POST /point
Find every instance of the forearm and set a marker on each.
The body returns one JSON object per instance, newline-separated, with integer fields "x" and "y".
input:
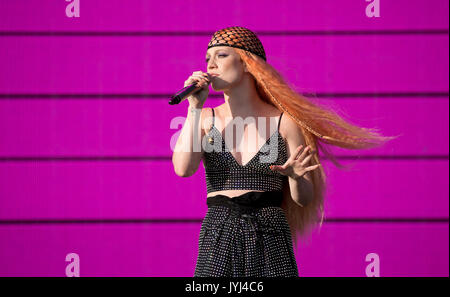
{"x": 187, "y": 152}
{"x": 302, "y": 190}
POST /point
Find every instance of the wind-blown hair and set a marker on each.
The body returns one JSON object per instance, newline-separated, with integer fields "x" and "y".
{"x": 319, "y": 125}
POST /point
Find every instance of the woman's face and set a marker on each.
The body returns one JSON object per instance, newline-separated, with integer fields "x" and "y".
{"x": 225, "y": 62}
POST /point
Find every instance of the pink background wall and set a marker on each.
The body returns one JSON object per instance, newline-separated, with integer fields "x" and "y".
{"x": 85, "y": 156}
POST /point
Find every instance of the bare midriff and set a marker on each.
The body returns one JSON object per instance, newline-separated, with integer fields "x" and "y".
{"x": 231, "y": 193}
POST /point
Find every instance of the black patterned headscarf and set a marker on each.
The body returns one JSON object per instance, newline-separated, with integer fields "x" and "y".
{"x": 238, "y": 37}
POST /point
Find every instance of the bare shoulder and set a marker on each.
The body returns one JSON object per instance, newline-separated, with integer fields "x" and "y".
{"x": 207, "y": 117}
{"x": 291, "y": 131}
{"x": 218, "y": 109}
{"x": 218, "y": 115}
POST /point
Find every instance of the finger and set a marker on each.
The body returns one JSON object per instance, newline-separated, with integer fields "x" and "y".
{"x": 305, "y": 151}
{"x": 274, "y": 167}
{"x": 191, "y": 80}
{"x": 201, "y": 75}
{"x": 208, "y": 75}
{"x": 299, "y": 150}
{"x": 295, "y": 154}
{"x": 203, "y": 83}
{"x": 198, "y": 76}
{"x": 278, "y": 168}
{"x": 305, "y": 161}
{"x": 199, "y": 81}
{"x": 312, "y": 167}
{"x": 201, "y": 78}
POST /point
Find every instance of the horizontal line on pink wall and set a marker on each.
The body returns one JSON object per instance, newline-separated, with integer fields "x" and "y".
{"x": 209, "y": 33}
{"x": 127, "y": 65}
{"x": 168, "y": 158}
{"x": 438, "y": 94}
{"x": 199, "y": 220}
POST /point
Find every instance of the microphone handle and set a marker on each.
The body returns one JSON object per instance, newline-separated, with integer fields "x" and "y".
{"x": 183, "y": 93}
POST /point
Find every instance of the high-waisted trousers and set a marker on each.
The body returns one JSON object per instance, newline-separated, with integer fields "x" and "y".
{"x": 243, "y": 236}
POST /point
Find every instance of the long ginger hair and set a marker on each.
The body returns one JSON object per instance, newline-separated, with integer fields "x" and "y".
{"x": 318, "y": 124}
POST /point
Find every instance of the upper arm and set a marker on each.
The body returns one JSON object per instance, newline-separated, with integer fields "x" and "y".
{"x": 294, "y": 138}
{"x": 187, "y": 162}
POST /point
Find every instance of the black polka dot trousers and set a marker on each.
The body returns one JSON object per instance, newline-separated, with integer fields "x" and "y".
{"x": 245, "y": 236}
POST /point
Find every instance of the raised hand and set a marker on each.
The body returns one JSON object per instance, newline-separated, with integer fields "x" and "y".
{"x": 296, "y": 166}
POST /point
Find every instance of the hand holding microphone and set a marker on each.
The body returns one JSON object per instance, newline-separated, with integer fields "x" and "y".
{"x": 196, "y": 89}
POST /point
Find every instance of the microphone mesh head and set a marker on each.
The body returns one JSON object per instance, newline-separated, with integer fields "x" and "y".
{"x": 238, "y": 37}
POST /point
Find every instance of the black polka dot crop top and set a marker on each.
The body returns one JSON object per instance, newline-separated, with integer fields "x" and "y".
{"x": 223, "y": 172}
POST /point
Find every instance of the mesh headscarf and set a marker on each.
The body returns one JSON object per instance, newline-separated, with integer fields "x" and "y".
{"x": 238, "y": 37}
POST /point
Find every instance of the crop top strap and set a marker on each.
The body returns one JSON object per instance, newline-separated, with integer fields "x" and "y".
{"x": 279, "y": 121}
{"x": 212, "y": 109}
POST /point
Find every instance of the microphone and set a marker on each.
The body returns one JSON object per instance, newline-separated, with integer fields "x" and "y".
{"x": 184, "y": 93}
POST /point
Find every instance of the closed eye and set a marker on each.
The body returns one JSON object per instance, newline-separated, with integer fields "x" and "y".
{"x": 222, "y": 55}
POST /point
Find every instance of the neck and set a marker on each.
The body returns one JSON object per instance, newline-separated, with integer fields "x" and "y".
{"x": 243, "y": 100}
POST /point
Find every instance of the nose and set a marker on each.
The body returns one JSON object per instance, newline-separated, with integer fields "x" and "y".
{"x": 211, "y": 64}
{"x": 210, "y": 67}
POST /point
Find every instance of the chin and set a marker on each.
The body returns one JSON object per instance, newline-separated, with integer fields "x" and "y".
{"x": 221, "y": 86}
{"x": 218, "y": 88}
